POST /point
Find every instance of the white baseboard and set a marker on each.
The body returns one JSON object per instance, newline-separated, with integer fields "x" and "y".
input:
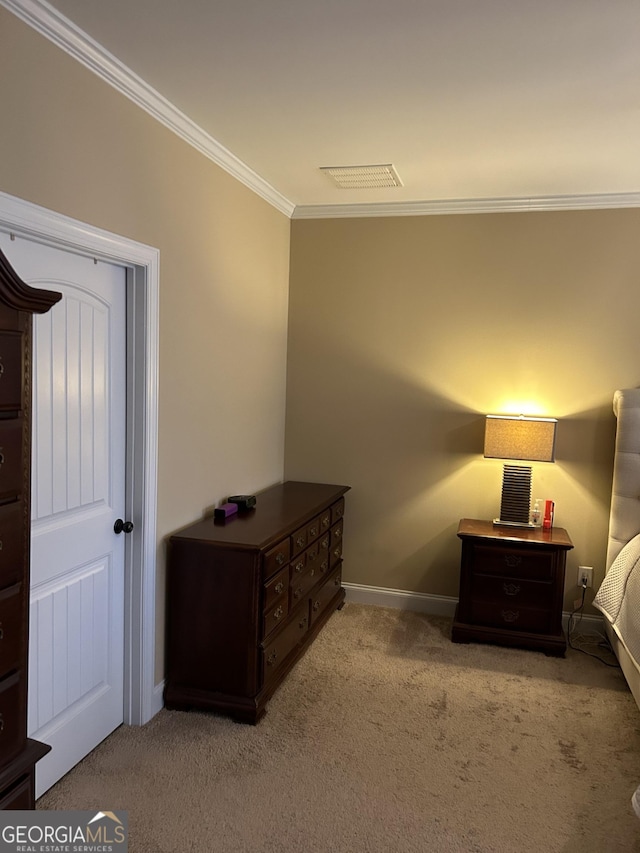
{"x": 436, "y": 605}
{"x": 400, "y": 599}
{"x": 158, "y": 698}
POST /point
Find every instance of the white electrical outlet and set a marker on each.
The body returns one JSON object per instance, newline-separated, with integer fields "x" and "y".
{"x": 585, "y": 572}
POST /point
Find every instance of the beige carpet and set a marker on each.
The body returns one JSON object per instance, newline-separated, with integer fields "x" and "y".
{"x": 386, "y": 738}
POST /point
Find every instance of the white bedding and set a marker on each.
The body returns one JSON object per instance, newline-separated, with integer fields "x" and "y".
{"x": 617, "y": 594}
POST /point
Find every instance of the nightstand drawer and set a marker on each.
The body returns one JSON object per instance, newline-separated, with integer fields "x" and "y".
{"x": 512, "y": 592}
{"x": 529, "y": 563}
{"x": 510, "y": 616}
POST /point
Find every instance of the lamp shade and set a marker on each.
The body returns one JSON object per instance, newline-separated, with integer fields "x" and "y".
{"x": 512, "y": 437}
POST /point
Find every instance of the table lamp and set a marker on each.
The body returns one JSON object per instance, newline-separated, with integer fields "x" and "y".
{"x": 518, "y": 438}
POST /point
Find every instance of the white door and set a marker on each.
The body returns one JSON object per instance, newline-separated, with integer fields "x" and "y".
{"x": 76, "y": 644}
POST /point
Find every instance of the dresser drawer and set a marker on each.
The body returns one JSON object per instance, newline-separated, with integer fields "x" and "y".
{"x": 276, "y": 558}
{"x": 11, "y": 471}
{"x": 11, "y": 377}
{"x": 311, "y": 554}
{"x": 511, "y": 617}
{"x": 324, "y": 595}
{"x": 11, "y": 612}
{"x": 278, "y": 648}
{"x": 12, "y": 542}
{"x": 275, "y": 615}
{"x": 323, "y": 554}
{"x": 301, "y": 584}
{"x": 512, "y": 592}
{"x": 298, "y": 541}
{"x": 335, "y": 544}
{"x": 529, "y": 563}
{"x": 325, "y": 521}
{"x": 275, "y": 588}
{"x": 12, "y": 717}
{"x": 20, "y": 796}
{"x": 298, "y": 566}
{"x": 313, "y": 530}
{"x": 337, "y": 511}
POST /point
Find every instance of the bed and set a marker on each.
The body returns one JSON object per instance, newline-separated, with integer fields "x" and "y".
{"x": 618, "y": 597}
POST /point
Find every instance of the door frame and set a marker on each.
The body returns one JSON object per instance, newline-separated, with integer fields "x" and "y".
{"x": 142, "y": 699}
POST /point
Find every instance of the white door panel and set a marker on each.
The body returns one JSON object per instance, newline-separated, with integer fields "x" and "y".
{"x": 76, "y": 648}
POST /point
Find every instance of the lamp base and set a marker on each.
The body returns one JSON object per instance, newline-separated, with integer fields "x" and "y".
{"x": 515, "y": 504}
{"x": 498, "y": 522}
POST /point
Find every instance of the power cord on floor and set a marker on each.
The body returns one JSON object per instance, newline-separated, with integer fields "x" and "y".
{"x": 599, "y": 641}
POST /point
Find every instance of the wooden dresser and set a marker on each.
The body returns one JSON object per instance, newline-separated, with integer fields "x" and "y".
{"x": 18, "y": 754}
{"x": 247, "y": 595}
{"x": 511, "y": 586}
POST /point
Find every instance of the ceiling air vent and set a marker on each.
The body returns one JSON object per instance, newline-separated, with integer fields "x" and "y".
{"x": 363, "y": 177}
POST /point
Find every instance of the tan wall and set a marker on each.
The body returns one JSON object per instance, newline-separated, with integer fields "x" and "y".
{"x": 72, "y": 144}
{"x": 404, "y": 332}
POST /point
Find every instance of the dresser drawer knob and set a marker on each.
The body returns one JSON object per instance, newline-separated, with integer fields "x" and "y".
{"x": 337, "y": 533}
{"x": 510, "y": 615}
{"x": 337, "y": 552}
{"x": 324, "y": 566}
{"x": 299, "y": 566}
{"x": 303, "y": 623}
{"x": 278, "y": 587}
{"x": 313, "y": 531}
{"x": 511, "y": 588}
{"x": 512, "y": 560}
{"x": 273, "y": 657}
{"x": 298, "y": 592}
{"x": 316, "y": 606}
{"x": 1, "y": 368}
{"x": 300, "y": 541}
{"x": 279, "y": 558}
{"x": 277, "y": 614}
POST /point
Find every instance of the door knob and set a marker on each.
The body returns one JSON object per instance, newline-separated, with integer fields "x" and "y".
{"x": 121, "y": 526}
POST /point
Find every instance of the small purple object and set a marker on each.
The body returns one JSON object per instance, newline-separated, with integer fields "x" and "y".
{"x": 225, "y": 511}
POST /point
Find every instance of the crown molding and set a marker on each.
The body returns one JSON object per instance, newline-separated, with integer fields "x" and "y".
{"x": 66, "y": 35}
{"x": 47, "y": 21}
{"x": 468, "y": 205}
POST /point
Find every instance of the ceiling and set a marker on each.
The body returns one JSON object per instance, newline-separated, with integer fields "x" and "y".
{"x": 499, "y": 99}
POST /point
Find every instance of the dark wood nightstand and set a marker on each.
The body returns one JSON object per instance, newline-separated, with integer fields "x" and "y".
{"x": 511, "y": 586}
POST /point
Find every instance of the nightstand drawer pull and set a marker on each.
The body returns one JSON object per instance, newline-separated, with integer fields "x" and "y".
{"x": 511, "y": 588}
{"x": 512, "y": 560}
{"x": 278, "y": 587}
{"x": 510, "y": 615}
